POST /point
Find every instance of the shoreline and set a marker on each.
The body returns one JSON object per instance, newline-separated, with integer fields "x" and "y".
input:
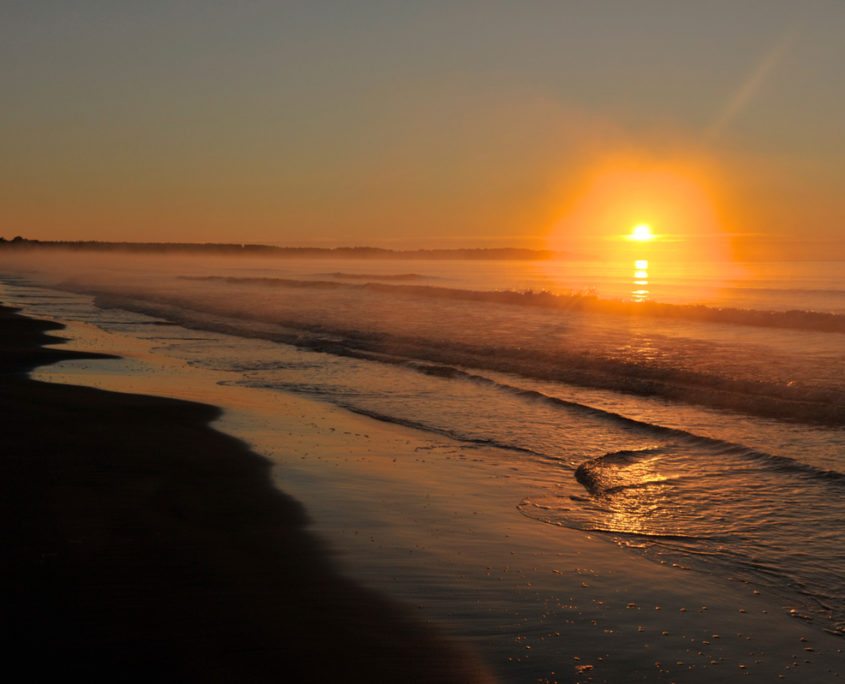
{"x": 143, "y": 543}
{"x": 416, "y": 518}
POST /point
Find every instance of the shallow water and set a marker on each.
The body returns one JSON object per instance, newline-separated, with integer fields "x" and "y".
{"x": 642, "y": 428}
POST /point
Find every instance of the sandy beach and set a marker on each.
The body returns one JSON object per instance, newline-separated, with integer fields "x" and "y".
{"x": 427, "y": 523}
{"x": 140, "y": 544}
{"x": 436, "y": 342}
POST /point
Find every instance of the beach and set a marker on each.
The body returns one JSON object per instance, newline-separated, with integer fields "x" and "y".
{"x": 141, "y": 544}
{"x": 423, "y": 342}
{"x": 428, "y": 342}
{"x": 422, "y": 519}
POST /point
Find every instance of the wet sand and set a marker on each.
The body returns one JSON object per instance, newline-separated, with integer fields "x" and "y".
{"x": 433, "y": 525}
{"x": 140, "y": 544}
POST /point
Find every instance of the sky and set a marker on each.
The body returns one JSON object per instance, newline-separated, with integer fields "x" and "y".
{"x": 427, "y": 124}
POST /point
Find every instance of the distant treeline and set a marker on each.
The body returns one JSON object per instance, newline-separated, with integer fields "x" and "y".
{"x": 227, "y": 249}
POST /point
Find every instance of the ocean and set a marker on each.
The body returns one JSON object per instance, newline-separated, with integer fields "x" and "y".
{"x": 694, "y": 416}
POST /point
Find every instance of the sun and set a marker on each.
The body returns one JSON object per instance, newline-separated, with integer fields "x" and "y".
{"x": 641, "y": 233}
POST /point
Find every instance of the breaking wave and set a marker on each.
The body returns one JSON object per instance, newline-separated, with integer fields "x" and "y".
{"x": 796, "y": 319}
{"x": 813, "y": 404}
{"x": 397, "y": 277}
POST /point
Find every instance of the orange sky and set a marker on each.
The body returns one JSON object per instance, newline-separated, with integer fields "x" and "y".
{"x": 467, "y": 124}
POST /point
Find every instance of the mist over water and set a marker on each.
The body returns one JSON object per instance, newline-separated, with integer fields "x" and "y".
{"x": 708, "y": 439}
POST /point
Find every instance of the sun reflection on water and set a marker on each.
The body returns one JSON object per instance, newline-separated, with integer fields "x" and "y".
{"x": 640, "y": 291}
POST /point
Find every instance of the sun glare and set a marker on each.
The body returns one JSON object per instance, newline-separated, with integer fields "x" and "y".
{"x": 633, "y": 206}
{"x": 641, "y": 233}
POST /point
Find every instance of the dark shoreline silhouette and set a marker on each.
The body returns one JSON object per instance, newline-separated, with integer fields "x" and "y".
{"x": 228, "y": 249}
{"x": 142, "y": 545}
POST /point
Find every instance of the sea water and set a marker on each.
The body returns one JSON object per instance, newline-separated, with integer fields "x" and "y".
{"x": 710, "y": 433}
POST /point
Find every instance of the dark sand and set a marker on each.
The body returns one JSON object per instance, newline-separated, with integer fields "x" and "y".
{"x": 140, "y": 544}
